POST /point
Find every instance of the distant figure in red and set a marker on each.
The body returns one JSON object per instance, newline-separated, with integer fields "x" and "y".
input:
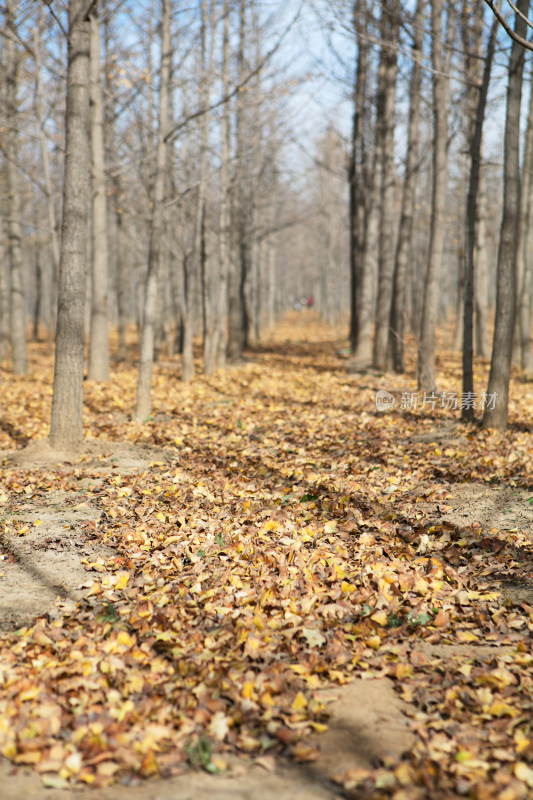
{"x": 310, "y": 301}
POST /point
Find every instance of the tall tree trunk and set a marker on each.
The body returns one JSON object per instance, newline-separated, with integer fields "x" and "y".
{"x": 144, "y": 383}
{"x": 481, "y": 277}
{"x": 199, "y": 255}
{"x": 37, "y": 103}
{"x": 441, "y": 102}
{"x": 237, "y": 321}
{"x": 524, "y": 261}
{"x": 14, "y": 227}
{"x": 467, "y": 411}
{"x": 4, "y": 304}
{"x": 66, "y": 425}
{"x": 397, "y": 320}
{"x": 361, "y": 210}
{"x": 496, "y": 411}
{"x": 388, "y": 69}
{"x": 122, "y": 272}
{"x": 220, "y": 343}
{"x": 99, "y": 340}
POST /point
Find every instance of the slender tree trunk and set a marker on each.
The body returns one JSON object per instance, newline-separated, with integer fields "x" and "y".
{"x": 208, "y": 30}
{"x": 144, "y": 383}
{"x": 524, "y": 259}
{"x": 37, "y": 103}
{"x": 481, "y": 277}
{"x": 467, "y": 411}
{"x": 14, "y": 227}
{"x": 220, "y": 343}
{"x": 122, "y": 272}
{"x": 66, "y": 425}
{"x": 4, "y": 304}
{"x": 496, "y": 411}
{"x": 397, "y": 320}
{"x": 237, "y": 321}
{"x": 363, "y": 220}
{"x": 441, "y": 102}
{"x": 388, "y": 69}
{"x": 99, "y": 341}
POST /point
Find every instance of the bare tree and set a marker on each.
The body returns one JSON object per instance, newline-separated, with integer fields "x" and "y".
{"x": 99, "y": 341}
{"x": 144, "y": 383}
{"x": 363, "y": 185}
{"x": 524, "y": 261}
{"x": 386, "y": 101}
{"x": 237, "y": 320}
{"x": 472, "y": 218}
{"x": 14, "y": 221}
{"x": 496, "y": 413}
{"x": 397, "y": 320}
{"x": 441, "y": 100}
{"x": 66, "y": 425}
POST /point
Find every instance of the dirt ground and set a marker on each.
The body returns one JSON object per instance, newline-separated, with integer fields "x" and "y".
{"x": 48, "y": 556}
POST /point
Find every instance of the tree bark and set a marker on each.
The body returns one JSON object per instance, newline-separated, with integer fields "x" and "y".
{"x": 362, "y": 182}
{"x": 143, "y": 404}
{"x": 237, "y": 320}
{"x": 468, "y": 411}
{"x": 496, "y": 412}
{"x": 66, "y": 425}
{"x": 524, "y": 260}
{"x": 441, "y": 102}
{"x": 14, "y": 227}
{"x": 44, "y": 151}
{"x": 99, "y": 340}
{"x": 5, "y": 337}
{"x": 220, "y": 343}
{"x": 398, "y": 317}
{"x": 481, "y": 277}
{"x": 388, "y": 69}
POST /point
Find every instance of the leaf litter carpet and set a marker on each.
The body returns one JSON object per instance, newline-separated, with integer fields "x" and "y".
{"x": 223, "y": 588}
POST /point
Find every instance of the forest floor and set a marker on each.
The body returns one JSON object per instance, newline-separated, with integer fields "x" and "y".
{"x": 271, "y": 589}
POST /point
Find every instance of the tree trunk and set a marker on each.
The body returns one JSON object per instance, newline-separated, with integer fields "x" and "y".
{"x": 496, "y": 410}
{"x": 397, "y": 320}
{"x": 364, "y": 179}
{"x": 524, "y": 258}
{"x": 388, "y": 69}
{"x": 481, "y": 278}
{"x": 144, "y": 383}
{"x": 37, "y": 103}
{"x": 199, "y": 262}
{"x": 4, "y": 304}
{"x": 467, "y": 411}
{"x": 237, "y": 321}
{"x": 14, "y": 227}
{"x": 441, "y": 102}
{"x": 66, "y": 425}
{"x": 99, "y": 341}
{"x": 220, "y": 343}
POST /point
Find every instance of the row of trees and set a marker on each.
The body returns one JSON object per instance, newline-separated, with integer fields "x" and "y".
{"x": 454, "y": 44}
{"x": 175, "y": 191}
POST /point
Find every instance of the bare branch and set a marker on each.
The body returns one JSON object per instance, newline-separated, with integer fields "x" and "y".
{"x": 526, "y": 43}
{"x": 171, "y": 135}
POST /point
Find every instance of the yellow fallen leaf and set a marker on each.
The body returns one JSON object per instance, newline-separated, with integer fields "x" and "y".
{"x": 467, "y": 636}
{"x": 380, "y": 617}
{"x": 524, "y": 773}
{"x": 499, "y": 709}
{"x": 299, "y": 702}
{"x": 347, "y": 587}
